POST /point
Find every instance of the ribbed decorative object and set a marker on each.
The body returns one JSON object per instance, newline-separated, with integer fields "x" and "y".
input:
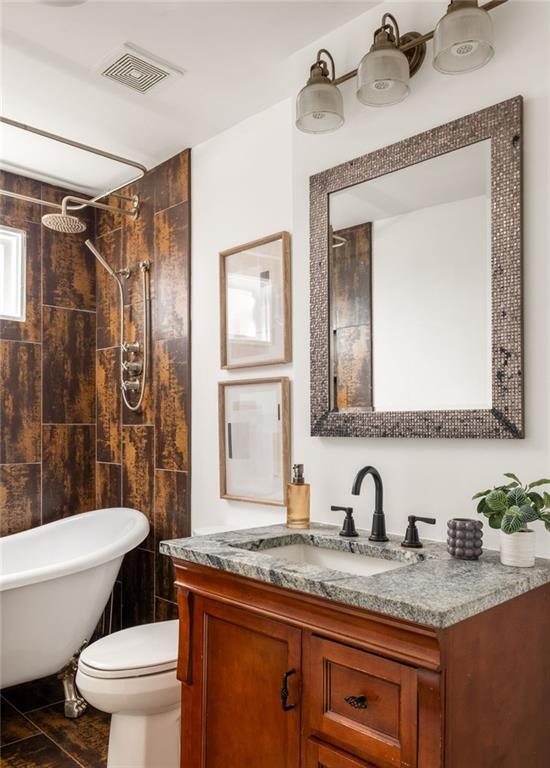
{"x": 464, "y": 538}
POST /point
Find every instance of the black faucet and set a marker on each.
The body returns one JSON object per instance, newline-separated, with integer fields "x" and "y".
{"x": 378, "y": 530}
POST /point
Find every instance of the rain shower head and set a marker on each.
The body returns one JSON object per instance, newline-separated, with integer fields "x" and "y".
{"x": 63, "y": 222}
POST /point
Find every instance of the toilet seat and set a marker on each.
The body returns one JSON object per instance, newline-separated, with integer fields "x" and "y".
{"x": 131, "y": 675}
{"x": 145, "y": 650}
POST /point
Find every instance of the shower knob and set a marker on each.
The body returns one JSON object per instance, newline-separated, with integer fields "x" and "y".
{"x": 133, "y": 367}
{"x": 130, "y": 346}
{"x": 131, "y": 386}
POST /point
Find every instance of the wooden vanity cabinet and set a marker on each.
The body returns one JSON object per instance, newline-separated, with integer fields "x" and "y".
{"x": 242, "y": 661}
{"x": 273, "y": 678}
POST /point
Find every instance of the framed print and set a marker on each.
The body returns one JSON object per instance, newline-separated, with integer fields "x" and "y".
{"x": 255, "y": 303}
{"x": 254, "y": 440}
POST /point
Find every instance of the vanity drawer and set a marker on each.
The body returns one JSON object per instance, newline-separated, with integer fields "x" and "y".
{"x": 322, "y": 756}
{"x": 362, "y": 702}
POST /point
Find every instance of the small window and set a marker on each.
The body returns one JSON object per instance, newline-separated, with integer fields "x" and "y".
{"x": 12, "y": 273}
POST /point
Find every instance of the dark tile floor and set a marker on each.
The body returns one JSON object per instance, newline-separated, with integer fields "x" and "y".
{"x": 35, "y": 733}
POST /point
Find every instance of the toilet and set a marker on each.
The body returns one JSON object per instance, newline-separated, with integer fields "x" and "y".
{"x": 132, "y": 675}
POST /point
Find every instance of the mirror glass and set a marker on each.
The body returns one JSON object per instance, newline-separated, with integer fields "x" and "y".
{"x": 410, "y": 287}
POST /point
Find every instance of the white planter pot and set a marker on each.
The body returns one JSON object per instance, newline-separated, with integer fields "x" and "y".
{"x": 518, "y": 549}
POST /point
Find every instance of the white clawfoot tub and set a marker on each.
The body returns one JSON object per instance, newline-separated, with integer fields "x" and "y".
{"x": 55, "y": 581}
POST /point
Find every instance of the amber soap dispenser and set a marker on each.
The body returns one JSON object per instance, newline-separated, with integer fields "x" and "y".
{"x": 297, "y": 511}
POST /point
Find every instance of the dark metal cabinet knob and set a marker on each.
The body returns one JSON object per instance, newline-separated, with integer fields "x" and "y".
{"x": 357, "y": 702}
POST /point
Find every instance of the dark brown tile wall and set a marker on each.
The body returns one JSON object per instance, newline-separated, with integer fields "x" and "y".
{"x": 20, "y": 374}
{"x": 67, "y": 445}
{"x": 47, "y": 372}
{"x": 68, "y": 349}
{"x": 68, "y": 476}
{"x": 19, "y": 497}
{"x": 145, "y": 455}
{"x": 108, "y": 489}
{"x": 109, "y": 428}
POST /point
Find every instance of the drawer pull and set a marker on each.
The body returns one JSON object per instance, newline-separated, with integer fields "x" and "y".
{"x": 284, "y": 690}
{"x": 357, "y": 702}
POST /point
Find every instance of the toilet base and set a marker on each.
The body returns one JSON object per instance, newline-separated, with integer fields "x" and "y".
{"x": 143, "y": 741}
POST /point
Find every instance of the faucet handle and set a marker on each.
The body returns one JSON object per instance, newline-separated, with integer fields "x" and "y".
{"x": 348, "y": 527}
{"x": 412, "y": 539}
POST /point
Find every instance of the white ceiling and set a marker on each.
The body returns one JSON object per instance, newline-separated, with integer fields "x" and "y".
{"x": 235, "y": 57}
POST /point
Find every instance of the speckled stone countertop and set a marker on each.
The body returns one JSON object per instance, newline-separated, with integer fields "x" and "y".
{"x": 433, "y": 589}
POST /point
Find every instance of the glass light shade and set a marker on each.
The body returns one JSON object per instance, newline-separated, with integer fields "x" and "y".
{"x": 463, "y": 40}
{"x": 383, "y": 77}
{"x": 319, "y": 108}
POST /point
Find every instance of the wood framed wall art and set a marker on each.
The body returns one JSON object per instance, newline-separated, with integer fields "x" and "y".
{"x": 254, "y": 434}
{"x": 255, "y": 303}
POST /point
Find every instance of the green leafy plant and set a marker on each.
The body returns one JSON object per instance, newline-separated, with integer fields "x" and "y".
{"x": 512, "y": 506}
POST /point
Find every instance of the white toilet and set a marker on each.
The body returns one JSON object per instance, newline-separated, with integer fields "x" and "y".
{"x": 132, "y": 675}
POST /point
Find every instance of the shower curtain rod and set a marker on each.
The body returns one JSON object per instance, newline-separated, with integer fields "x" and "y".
{"x": 77, "y": 145}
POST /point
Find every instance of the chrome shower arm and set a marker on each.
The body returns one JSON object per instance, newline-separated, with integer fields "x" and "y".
{"x": 102, "y": 206}
{"x": 29, "y": 199}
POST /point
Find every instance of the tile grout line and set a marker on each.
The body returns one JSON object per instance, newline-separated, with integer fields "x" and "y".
{"x": 22, "y": 714}
{"x": 71, "y": 757}
{"x": 19, "y": 464}
{"x": 41, "y": 732}
{"x": 68, "y": 424}
{"x": 70, "y": 309}
{"x": 44, "y": 706}
{"x": 25, "y": 738}
{"x": 169, "y": 207}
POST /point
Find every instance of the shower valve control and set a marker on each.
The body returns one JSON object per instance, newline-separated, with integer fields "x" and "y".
{"x": 134, "y": 367}
{"x": 131, "y": 346}
{"x": 131, "y": 386}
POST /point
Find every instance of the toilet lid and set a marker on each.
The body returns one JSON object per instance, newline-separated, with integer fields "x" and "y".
{"x": 144, "y": 650}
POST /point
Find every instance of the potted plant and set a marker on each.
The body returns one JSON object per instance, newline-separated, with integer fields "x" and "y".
{"x": 510, "y": 508}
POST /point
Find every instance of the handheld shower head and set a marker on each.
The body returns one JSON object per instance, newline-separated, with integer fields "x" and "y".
{"x": 99, "y": 257}
{"x": 63, "y": 222}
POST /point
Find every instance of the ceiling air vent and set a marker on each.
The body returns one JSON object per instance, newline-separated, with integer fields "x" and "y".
{"x": 137, "y": 69}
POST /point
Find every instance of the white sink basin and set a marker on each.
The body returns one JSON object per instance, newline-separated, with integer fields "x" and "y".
{"x": 348, "y": 562}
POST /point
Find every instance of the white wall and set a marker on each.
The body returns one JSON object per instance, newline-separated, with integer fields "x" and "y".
{"x": 241, "y": 191}
{"x": 254, "y": 179}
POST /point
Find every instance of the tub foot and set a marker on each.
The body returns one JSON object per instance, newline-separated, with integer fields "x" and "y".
{"x": 75, "y": 705}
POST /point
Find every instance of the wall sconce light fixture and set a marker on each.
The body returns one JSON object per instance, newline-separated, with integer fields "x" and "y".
{"x": 383, "y": 74}
{"x": 463, "y": 42}
{"x": 319, "y": 105}
{"x": 463, "y": 38}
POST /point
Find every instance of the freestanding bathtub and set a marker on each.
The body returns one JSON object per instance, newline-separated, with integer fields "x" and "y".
{"x": 55, "y": 581}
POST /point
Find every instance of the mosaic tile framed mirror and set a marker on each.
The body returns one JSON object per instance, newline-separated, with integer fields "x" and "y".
{"x": 416, "y": 285}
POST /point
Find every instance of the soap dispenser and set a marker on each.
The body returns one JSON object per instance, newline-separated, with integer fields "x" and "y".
{"x": 297, "y": 512}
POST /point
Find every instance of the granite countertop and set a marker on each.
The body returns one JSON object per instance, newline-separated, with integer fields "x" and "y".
{"x": 432, "y": 589}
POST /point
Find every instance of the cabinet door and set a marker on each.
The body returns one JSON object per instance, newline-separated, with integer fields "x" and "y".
{"x": 322, "y": 756}
{"x": 361, "y": 702}
{"x": 247, "y": 677}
